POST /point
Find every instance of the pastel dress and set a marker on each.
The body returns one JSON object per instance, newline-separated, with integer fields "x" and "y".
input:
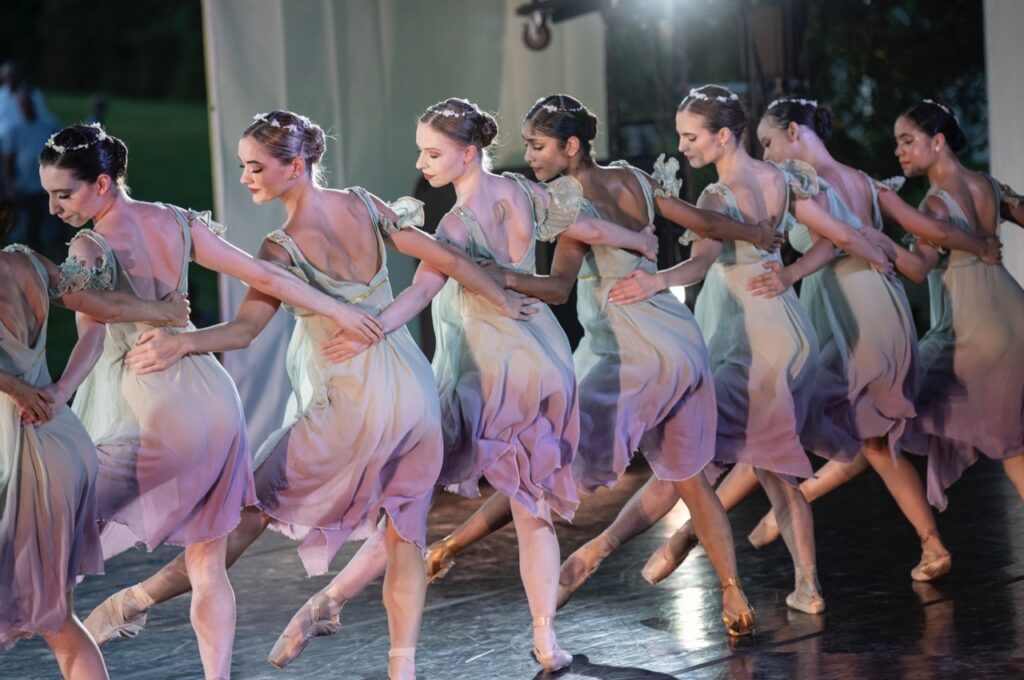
{"x": 764, "y": 351}
{"x": 644, "y": 378}
{"x": 970, "y": 400}
{"x": 174, "y": 460}
{"x": 48, "y": 530}
{"x": 366, "y": 437}
{"x": 509, "y": 405}
{"x": 866, "y": 379}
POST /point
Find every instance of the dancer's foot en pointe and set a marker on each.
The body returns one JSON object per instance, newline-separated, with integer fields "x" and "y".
{"x": 669, "y": 556}
{"x": 581, "y": 564}
{"x": 122, "y": 615}
{"x": 806, "y": 596}
{"x": 935, "y": 559}
{"x": 739, "y": 617}
{"x": 440, "y": 558}
{"x": 319, "y": 616}
{"x": 545, "y": 648}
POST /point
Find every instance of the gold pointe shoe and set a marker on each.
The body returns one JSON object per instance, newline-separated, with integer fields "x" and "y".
{"x": 737, "y": 625}
{"x": 567, "y": 584}
{"x": 319, "y": 616}
{"x": 440, "y": 558}
{"x": 764, "y": 533}
{"x": 661, "y": 565}
{"x": 108, "y": 621}
{"x": 558, "y": 658}
{"x": 402, "y": 654}
{"x": 933, "y": 564}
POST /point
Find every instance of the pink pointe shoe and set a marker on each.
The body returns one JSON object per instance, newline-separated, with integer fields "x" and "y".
{"x": 578, "y": 567}
{"x": 115, "y": 618}
{"x": 663, "y": 562}
{"x": 556, "y": 658}
{"x": 318, "y": 617}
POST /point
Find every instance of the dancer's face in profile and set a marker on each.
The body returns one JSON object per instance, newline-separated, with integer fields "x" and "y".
{"x": 546, "y": 156}
{"x": 779, "y": 144}
{"x": 700, "y": 145}
{"x": 441, "y": 159}
{"x": 73, "y": 200}
{"x": 915, "y": 149}
{"x": 262, "y": 174}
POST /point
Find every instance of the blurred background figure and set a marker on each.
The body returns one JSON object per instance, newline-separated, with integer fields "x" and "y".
{"x": 21, "y": 140}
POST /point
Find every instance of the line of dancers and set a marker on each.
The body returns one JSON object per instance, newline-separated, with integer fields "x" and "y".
{"x": 153, "y": 449}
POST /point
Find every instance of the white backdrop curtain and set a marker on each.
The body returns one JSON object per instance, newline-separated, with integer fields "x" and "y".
{"x": 364, "y": 70}
{"x": 1004, "y": 66}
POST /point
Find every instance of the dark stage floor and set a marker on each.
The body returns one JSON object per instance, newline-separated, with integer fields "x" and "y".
{"x": 476, "y": 625}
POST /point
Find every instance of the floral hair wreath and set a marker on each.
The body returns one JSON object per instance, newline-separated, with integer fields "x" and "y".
{"x": 450, "y": 113}
{"x": 793, "y": 100}
{"x": 697, "y": 94}
{"x": 274, "y": 122}
{"x": 945, "y": 108}
{"x": 101, "y": 135}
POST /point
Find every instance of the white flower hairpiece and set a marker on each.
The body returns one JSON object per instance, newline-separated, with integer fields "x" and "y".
{"x": 795, "y": 100}
{"x": 450, "y": 113}
{"x": 697, "y": 94}
{"x": 943, "y": 107}
{"x": 551, "y": 108}
{"x": 101, "y": 135}
{"x": 273, "y": 122}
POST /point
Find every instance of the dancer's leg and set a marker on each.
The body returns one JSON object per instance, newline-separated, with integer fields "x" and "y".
{"x": 644, "y": 509}
{"x": 319, "y": 616}
{"x": 538, "y": 567}
{"x": 737, "y": 485}
{"x": 711, "y": 526}
{"x": 405, "y": 587}
{"x": 492, "y": 515}
{"x": 904, "y": 484}
{"x": 797, "y": 526}
{"x": 123, "y": 614}
{"x": 1014, "y": 468}
{"x": 828, "y": 478}
{"x": 77, "y": 654}
{"x": 213, "y": 605}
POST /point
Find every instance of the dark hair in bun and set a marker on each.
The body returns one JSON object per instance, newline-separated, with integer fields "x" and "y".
{"x": 560, "y": 117}
{"x": 287, "y": 135}
{"x": 88, "y": 152}
{"x": 933, "y": 118}
{"x": 462, "y": 121}
{"x": 719, "y": 106}
{"x": 801, "y": 111}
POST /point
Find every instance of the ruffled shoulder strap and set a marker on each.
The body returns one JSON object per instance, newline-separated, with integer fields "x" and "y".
{"x": 803, "y": 180}
{"x": 645, "y": 186}
{"x": 408, "y": 212}
{"x": 299, "y": 262}
{"x": 78, "y": 275}
{"x": 536, "y": 202}
{"x": 36, "y": 264}
{"x": 185, "y": 217}
{"x": 565, "y": 200}
{"x": 1007, "y": 199}
{"x": 718, "y": 198}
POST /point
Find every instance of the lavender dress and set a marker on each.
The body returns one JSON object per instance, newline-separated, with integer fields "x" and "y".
{"x": 367, "y": 436}
{"x": 48, "y": 531}
{"x": 645, "y": 382}
{"x": 866, "y": 378}
{"x": 971, "y": 396}
{"x": 764, "y": 351}
{"x": 174, "y": 458}
{"x": 509, "y": 405}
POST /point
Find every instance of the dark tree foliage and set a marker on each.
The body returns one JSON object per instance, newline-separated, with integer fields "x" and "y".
{"x": 140, "y": 48}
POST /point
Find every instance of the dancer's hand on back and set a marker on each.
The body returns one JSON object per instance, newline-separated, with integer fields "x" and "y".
{"x": 154, "y": 351}
{"x": 343, "y": 346}
{"x": 492, "y": 269}
{"x": 357, "y": 322}
{"x": 768, "y": 237}
{"x": 180, "y": 308}
{"x": 993, "y": 250}
{"x": 636, "y": 287}
{"x": 518, "y": 306}
{"x": 650, "y": 249}
{"x": 35, "y": 403}
{"x": 773, "y": 283}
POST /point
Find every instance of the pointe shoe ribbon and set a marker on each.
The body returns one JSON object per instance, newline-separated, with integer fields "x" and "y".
{"x": 318, "y": 617}
{"x": 737, "y": 625}
{"x": 440, "y": 558}
{"x": 934, "y": 563}
{"x": 556, "y": 659}
{"x": 108, "y": 621}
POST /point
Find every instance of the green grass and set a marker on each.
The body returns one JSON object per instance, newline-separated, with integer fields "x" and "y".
{"x": 168, "y": 160}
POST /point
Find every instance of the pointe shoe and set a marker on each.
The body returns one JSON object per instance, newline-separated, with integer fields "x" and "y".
{"x": 405, "y": 659}
{"x": 662, "y": 563}
{"x": 934, "y": 564}
{"x": 573, "y": 574}
{"x": 764, "y": 533}
{"x": 806, "y": 597}
{"x": 440, "y": 558}
{"x": 556, "y": 659}
{"x": 737, "y": 625}
{"x": 319, "y": 616}
{"x": 108, "y": 621}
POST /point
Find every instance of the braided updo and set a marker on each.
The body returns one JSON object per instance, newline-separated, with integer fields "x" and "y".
{"x": 560, "y": 117}
{"x": 287, "y": 135}
{"x": 462, "y": 121}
